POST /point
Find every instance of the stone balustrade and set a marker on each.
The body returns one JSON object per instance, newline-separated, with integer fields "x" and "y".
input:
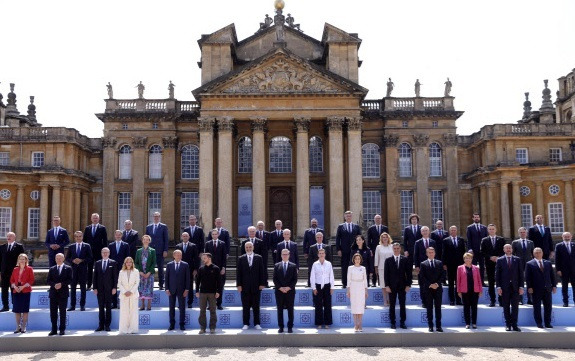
{"x": 408, "y": 104}
{"x": 150, "y": 105}
{"x": 48, "y": 134}
{"x": 518, "y": 130}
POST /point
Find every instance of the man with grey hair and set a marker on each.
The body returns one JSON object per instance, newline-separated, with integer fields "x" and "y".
{"x": 285, "y": 280}
{"x": 96, "y": 236}
{"x": 420, "y": 254}
{"x": 131, "y": 237}
{"x": 540, "y": 279}
{"x": 59, "y": 279}
{"x": 105, "y": 287}
{"x": 160, "y": 239}
{"x": 9, "y": 253}
{"x": 258, "y": 245}
{"x": 290, "y": 246}
{"x": 523, "y": 248}
{"x": 565, "y": 265}
{"x": 251, "y": 279}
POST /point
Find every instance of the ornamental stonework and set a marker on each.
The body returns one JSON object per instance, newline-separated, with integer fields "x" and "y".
{"x": 354, "y": 123}
{"x": 170, "y": 142}
{"x": 259, "y": 124}
{"x": 420, "y": 139}
{"x": 450, "y": 139}
{"x": 334, "y": 123}
{"x": 206, "y": 124}
{"x": 139, "y": 142}
{"x": 302, "y": 123}
{"x": 225, "y": 124}
{"x": 109, "y": 142}
{"x": 390, "y": 140}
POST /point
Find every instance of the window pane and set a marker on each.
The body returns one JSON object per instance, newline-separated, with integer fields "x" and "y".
{"x": 315, "y": 155}
{"x": 526, "y": 215}
{"x": 555, "y": 155}
{"x": 37, "y": 159}
{"x": 190, "y": 162}
{"x": 521, "y": 155}
{"x": 435, "y": 160}
{"x": 556, "y": 217}
{"x": 5, "y": 221}
{"x": 154, "y": 205}
{"x": 4, "y": 158}
{"x": 155, "y": 162}
{"x": 245, "y": 155}
{"x": 125, "y": 162}
{"x": 436, "y": 207}
{"x": 33, "y": 223}
{"x": 406, "y": 205}
{"x": 124, "y": 208}
{"x": 189, "y": 204}
{"x": 371, "y": 206}
{"x": 405, "y": 160}
{"x": 370, "y": 160}
{"x": 280, "y": 155}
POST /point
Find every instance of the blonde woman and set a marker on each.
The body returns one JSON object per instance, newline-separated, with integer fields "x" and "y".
{"x": 128, "y": 282}
{"x": 383, "y": 251}
{"x": 357, "y": 290}
{"x": 21, "y": 282}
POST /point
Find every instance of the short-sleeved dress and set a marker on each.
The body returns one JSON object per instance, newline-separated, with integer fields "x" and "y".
{"x": 381, "y": 254}
{"x": 357, "y": 284}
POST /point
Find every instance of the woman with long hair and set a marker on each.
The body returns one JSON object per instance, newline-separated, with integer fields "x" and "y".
{"x": 128, "y": 282}
{"x": 382, "y": 252}
{"x": 21, "y": 283}
{"x": 357, "y": 290}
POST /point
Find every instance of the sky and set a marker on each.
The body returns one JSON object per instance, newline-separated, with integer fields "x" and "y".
{"x": 65, "y": 52}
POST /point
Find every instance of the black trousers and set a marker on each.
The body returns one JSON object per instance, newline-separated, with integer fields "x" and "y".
{"x": 181, "y": 307}
{"x": 344, "y": 265}
{"x": 58, "y": 305}
{"x": 479, "y": 260}
{"x": 470, "y": 300}
{"x": 104, "y": 310}
{"x": 191, "y": 294}
{"x": 565, "y": 280}
{"x": 79, "y": 278}
{"x": 433, "y": 302}
{"x": 221, "y": 290}
{"x": 452, "y": 279}
{"x": 96, "y": 256}
{"x": 510, "y": 299}
{"x": 490, "y": 267}
{"x": 393, "y": 297}
{"x": 5, "y": 285}
{"x": 322, "y": 304}
{"x": 160, "y": 265}
{"x": 251, "y": 300}
{"x": 545, "y": 296}
{"x": 374, "y": 279}
{"x": 285, "y": 300}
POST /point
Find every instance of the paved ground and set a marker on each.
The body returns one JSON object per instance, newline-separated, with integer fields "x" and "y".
{"x": 308, "y": 354}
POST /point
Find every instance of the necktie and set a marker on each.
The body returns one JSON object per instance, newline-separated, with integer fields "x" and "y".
{"x": 349, "y": 227}
{"x": 215, "y": 245}
{"x": 177, "y": 266}
{"x": 314, "y": 230}
{"x": 541, "y": 266}
{"x": 542, "y": 230}
{"x": 378, "y": 229}
{"x": 185, "y": 247}
{"x": 493, "y": 241}
{"x": 285, "y": 268}
{"x": 426, "y": 244}
{"x": 56, "y": 232}
{"x": 524, "y": 247}
{"x": 154, "y": 231}
{"x": 250, "y": 260}
{"x": 117, "y": 247}
{"x": 104, "y": 264}
{"x": 193, "y": 230}
{"x": 454, "y": 241}
{"x": 432, "y": 264}
{"x": 59, "y": 269}
{"x": 93, "y": 231}
{"x": 440, "y": 234}
{"x": 397, "y": 261}
{"x": 568, "y": 248}
{"x": 478, "y": 229}
{"x": 509, "y": 262}
{"x": 10, "y": 247}
{"x": 77, "y": 250}
{"x": 414, "y": 230}
{"x": 319, "y": 246}
{"x": 260, "y": 234}
{"x": 278, "y": 233}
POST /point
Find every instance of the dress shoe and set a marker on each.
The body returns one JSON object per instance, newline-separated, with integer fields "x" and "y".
{"x": 99, "y": 329}
{"x": 107, "y": 329}
{"x": 258, "y": 327}
{"x": 290, "y": 330}
{"x": 459, "y": 303}
{"x": 83, "y": 309}
{"x": 517, "y": 329}
{"x": 245, "y": 327}
{"x": 467, "y": 327}
{"x": 212, "y": 331}
{"x": 171, "y": 328}
{"x": 403, "y": 326}
{"x": 62, "y": 333}
{"x": 507, "y": 328}
{"x": 393, "y": 326}
{"x": 52, "y": 333}
{"x": 202, "y": 332}
{"x": 18, "y": 330}
{"x": 539, "y": 326}
{"x": 326, "y": 326}
{"x": 220, "y": 308}
{"x": 452, "y": 303}
{"x": 521, "y": 303}
{"x": 530, "y": 302}
{"x": 431, "y": 329}
{"x": 189, "y": 305}
{"x": 439, "y": 329}
{"x": 423, "y": 306}
{"x": 281, "y": 330}
{"x": 23, "y": 330}
{"x": 71, "y": 309}
{"x": 565, "y": 304}
{"x": 492, "y": 304}
{"x": 182, "y": 328}
{"x": 161, "y": 288}
{"x": 474, "y": 327}
{"x": 5, "y": 309}
{"x": 548, "y": 325}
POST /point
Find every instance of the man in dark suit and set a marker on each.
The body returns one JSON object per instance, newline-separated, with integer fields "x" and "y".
{"x": 509, "y": 276}
{"x": 119, "y": 251}
{"x": 264, "y": 235}
{"x": 420, "y": 255}
{"x": 411, "y": 234}
{"x": 438, "y": 235}
{"x": 314, "y": 250}
{"x": 373, "y": 234}
{"x": 217, "y": 249}
{"x": 131, "y": 237}
{"x": 177, "y": 288}
{"x": 309, "y": 237}
{"x": 223, "y": 234}
{"x": 398, "y": 280}
{"x": 105, "y": 286}
{"x": 432, "y": 276}
{"x": 258, "y": 245}
{"x": 56, "y": 239}
{"x": 475, "y": 234}
{"x": 541, "y": 237}
{"x": 344, "y": 239}
{"x": 276, "y": 236}
{"x": 160, "y": 242}
{"x": 78, "y": 257}
{"x": 96, "y": 236}
{"x": 540, "y": 279}
{"x": 289, "y": 245}
{"x": 191, "y": 256}
{"x": 523, "y": 248}
{"x": 285, "y": 280}
{"x": 9, "y": 253}
{"x": 565, "y": 266}
{"x": 59, "y": 278}
{"x": 196, "y": 233}
{"x": 251, "y": 279}
{"x": 453, "y": 251}
{"x": 491, "y": 250}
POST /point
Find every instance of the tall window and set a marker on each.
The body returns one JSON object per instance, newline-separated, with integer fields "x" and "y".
{"x": 155, "y": 162}
{"x": 555, "y": 155}
{"x": 245, "y": 155}
{"x": 522, "y": 155}
{"x": 5, "y": 221}
{"x": 190, "y": 162}
{"x": 280, "y": 155}
{"x": 370, "y": 160}
{"x": 315, "y": 155}
{"x": 406, "y": 207}
{"x": 526, "y": 215}
{"x": 125, "y": 162}
{"x": 189, "y": 204}
{"x": 33, "y": 223}
{"x": 154, "y": 205}
{"x": 37, "y": 159}
{"x": 435, "y": 160}
{"x": 124, "y": 208}
{"x": 556, "y": 217}
{"x": 4, "y": 158}
{"x": 405, "y": 163}
{"x": 371, "y": 206}
{"x": 436, "y": 206}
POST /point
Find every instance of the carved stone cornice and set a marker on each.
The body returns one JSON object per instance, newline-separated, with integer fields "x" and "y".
{"x": 354, "y": 123}
{"x": 334, "y": 123}
{"x": 390, "y": 140}
{"x": 206, "y": 124}
{"x": 420, "y": 139}
{"x": 170, "y": 142}
{"x": 302, "y": 124}
{"x": 259, "y": 124}
{"x": 139, "y": 142}
{"x": 450, "y": 139}
{"x": 225, "y": 124}
{"x": 109, "y": 142}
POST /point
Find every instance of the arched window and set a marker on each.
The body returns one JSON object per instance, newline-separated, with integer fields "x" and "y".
{"x": 435, "y": 160}
{"x": 190, "y": 162}
{"x": 280, "y": 155}
{"x": 405, "y": 163}
{"x": 245, "y": 155}
{"x": 155, "y": 162}
{"x": 370, "y": 160}
{"x": 315, "y": 155}
{"x": 125, "y": 162}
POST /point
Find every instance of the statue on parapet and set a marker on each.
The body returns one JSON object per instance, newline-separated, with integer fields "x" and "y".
{"x": 171, "y": 90}
{"x": 417, "y": 88}
{"x": 448, "y": 86}
{"x": 110, "y": 91}
{"x": 267, "y": 22}
{"x": 390, "y": 86}
{"x": 141, "y": 89}
{"x": 280, "y": 33}
{"x": 290, "y": 21}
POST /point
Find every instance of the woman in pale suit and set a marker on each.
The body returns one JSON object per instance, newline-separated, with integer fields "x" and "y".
{"x": 128, "y": 282}
{"x": 382, "y": 252}
{"x": 357, "y": 290}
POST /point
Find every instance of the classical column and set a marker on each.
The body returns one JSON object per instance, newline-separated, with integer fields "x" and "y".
{"x": 84, "y": 210}
{"x": 422, "y": 178}
{"x": 491, "y": 214}
{"x": 56, "y": 201}
{"x": 516, "y": 197}
{"x": 67, "y": 208}
{"x": 206, "y": 128}
{"x": 452, "y": 204}
{"x": 43, "y": 211}
{"x": 109, "y": 175}
{"x": 225, "y": 172}
{"x": 169, "y": 190}
{"x": 505, "y": 216}
{"x": 77, "y": 222}
{"x": 391, "y": 177}
{"x": 336, "y": 175}
{"x": 302, "y": 174}
{"x": 539, "y": 199}
{"x": 569, "y": 211}
{"x": 138, "y": 207}
{"x": 483, "y": 201}
{"x": 20, "y": 216}
{"x": 355, "y": 177}
{"x": 258, "y": 169}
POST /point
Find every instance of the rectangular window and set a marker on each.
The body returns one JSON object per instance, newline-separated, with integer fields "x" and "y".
{"x": 556, "y": 218}
{"x": 436, "y": 207}
{"x": 189, "y": 204}
{"x": 317, "y": 205}
{"x": 37, "y": 159}
{"x": 521, "y": 155}
{"x": 4, "y": 158}
{"x": 526, "y": 215}
{"x": 406, "y": 207}
{"x": 5, "y": 221}
{"x": 154, "y": 205}
{"x": 244, "y": 210}
{"x": 124, "y": 208}
{"x": 555, "y": 155}
{"x": 33, "y": 223}
{"x": 371, "y": 206}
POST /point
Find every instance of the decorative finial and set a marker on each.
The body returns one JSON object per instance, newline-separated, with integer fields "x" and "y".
{"x": 32, "y": 109}
{"x": 547, "y": 105}
{"x": 11, "y": 95}
{"x": 1, "y": 97}
{"x": 526, "y": 107}
{"x": 279, "y": 4}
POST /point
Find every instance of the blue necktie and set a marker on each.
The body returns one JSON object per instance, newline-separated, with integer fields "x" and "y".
{"x": 285, "y": 268}
{"x": 542, "y": 230}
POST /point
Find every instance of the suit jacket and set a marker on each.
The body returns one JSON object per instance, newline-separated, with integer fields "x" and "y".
{"x": 219, "y": 256}
{"x": 64, "y": 277}
{"x": 274, "y": 239}
{"x": 62, "y": 240}
{"x": 453, "y": 256}
{"x": 366, "y": 258}
{"x": 545, "y": 242}
{"x": 487, "y": 249}
{"x": 27, "y": 277}
{"x": 265, "y": 237}
{"x": 517, "y": 247}
{"x": 397, "y": 278}
{"x": 430, "y": 275}
{"x": 565, "y": 261}
{"x": 373, "y": 235}
{"x": 259, "y": 246}
{"x": 8, "y": 260}
{"x": 197, "y": 238}
{"x": 150, "y": 263}
{"x": 85, "y": 255}
{"x": 289, "y": 279}
{"x": 313, "y": 254}
{"x": 505, "y": 275}
{"x": 309, "y": 238}
{"x": 474, "y": 238}
{"x": 293, "y": 255}
{"x": 438, "y": 238}
{"x": 177, "y": 281}
{"x": 105, "y": 280}
{"x": 119, "y": 257}
{"x": 409, "y": 238}
{"x": 132, "y": 238}
{"x": 160, "y": 240}
{"x": 251, "y": 278}
{"x": 462, "y": 279}
{"x": 96, "y": 242}
{"x": 420, "y": 251}
{"x": 191, "y": 256}
{"x": 344, "y": 239}
{"x": 537, "y": 279}
{"x": 224, "y": 237}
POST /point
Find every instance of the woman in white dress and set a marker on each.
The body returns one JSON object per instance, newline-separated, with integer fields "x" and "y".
{"x": 382, "y": 252}
{"x": 128, "y": 282}
{"x": 357, "y": 290}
